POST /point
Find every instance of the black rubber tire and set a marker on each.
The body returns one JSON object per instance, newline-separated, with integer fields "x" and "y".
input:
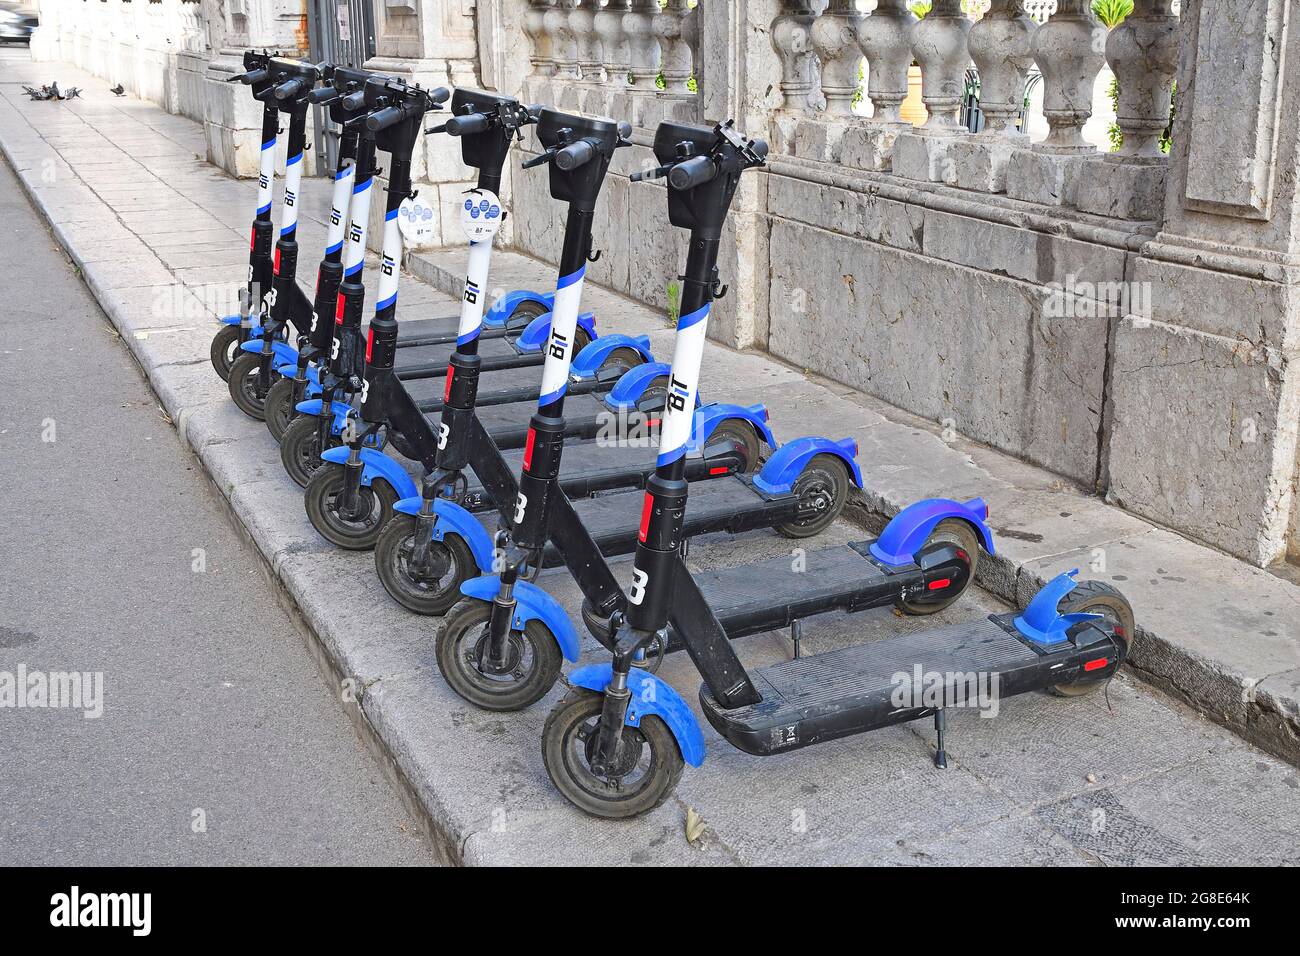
{"x": 391, "y": 551}
{"x": 224, "y": 350}
{"x": 319, "y": 498}
{"x": 524, "y": 314}
{"x": 624, "y": 358}
{"x": 950, "y": 531}
{"x": 1096, "y": 597}
{"x": 279, "y": 407}
{"x": 568, "y": 769}
{"x": 744, "y": 435}
{"x": 824, "y": 475}
{"x": 300, "y": 449}
{"x": 243, "y": 385}
{"x": 460, "y": 634}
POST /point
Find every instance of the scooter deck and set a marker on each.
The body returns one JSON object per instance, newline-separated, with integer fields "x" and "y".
{"x": 430, "y": 361}
{"x": 441, "y": 330}
{"x": 502, "y": 387}
{"x": 852, "y": 690}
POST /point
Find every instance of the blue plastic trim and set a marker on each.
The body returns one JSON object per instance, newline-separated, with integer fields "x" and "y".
{"x": 587, "y": 322}
{"x": 377, "y": 465}
{"x": 283, "y": 353}
{"x": 627, "y": 391}
{"x": 907, "y": 531}
{"x": 334, "y": 248}
{"x": 1041, "y": 622}
{"x": 570, "y": 279}
{"x": 293, "y": 159}
{"x": 504, "y": 307}
{"x": 531, "y": 604}
{"x": 269, "y": 143}
{"x": 452, "y": 518}
{"x": 263, "y": 210}
{"x": 231, "y": 319}
{"x": 380, "y": 306}
{"x": 361, "y": 187}
{"x": 650, "y": 695}
{"x": 783, "y": 468}
{"x": 711, "y": 416}
{"x": 533, "y": 337}
{"x": 586, "y": 362}
{"x": 699, "y": 315}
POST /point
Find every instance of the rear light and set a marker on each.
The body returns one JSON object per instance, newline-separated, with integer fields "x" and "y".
{"x": 338, "y": 310}
{"x": 940, "y": 584}
{"x": 528, "y": 450}
{"x": 252, "y": 238}
{"x": 446, "y": 392}
{"x": 1097, "y": 664}
{"x": 719, "y": 470}
{"x": 370, "y": 345}
{"x": 647, "y": 510}
{"x": 962, "y": 555}
{"x": 276, "y": 267}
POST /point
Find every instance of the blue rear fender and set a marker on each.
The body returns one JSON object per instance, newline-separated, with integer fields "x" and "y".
{"x": 587, "y": 362}
{"x": 907, "y": 531}
{"x": 377, "y": 465}
{"x": 531, "y": 604}
{"x": 650, "y": 695}
{"x": 709, "y": 417}
{"x": 631, "y": 387}
{"x": 500, "y": 311}
{"x": 534, "y": 338}
{"x": 453, "y": 519}
{"x": 783, "y": 468}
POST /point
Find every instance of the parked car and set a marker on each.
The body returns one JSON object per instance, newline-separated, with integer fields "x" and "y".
{"x": 17, "y": 22}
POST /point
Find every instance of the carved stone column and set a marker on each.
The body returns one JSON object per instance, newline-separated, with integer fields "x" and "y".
{"x": 582, "y": 22}
{"x": 792, "y": 40}
{"x": 540, "y": 55}
{"x": 1143, "y": 52}
{"x": 883, "y": 38}
{"x": 1001, "y": 44}
{"x": 834, "y": 37}
{"x": 674, "y": 44}
{"x": 939, "y": 45}
{"x": 1068, "y": 50}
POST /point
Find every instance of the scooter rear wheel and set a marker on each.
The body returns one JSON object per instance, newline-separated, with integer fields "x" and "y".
{"x": 825, "y": 483}
{"x": 375, "y": 508}
{"x": 300, "y": 449}
{"x": 1097, "y": 597}
{"x": 949, "y": 531}
{"x": 743, "y": 436}
{"x": 623, "y": 358}
{"x": 431, "y": 594}
{"x": 279, "y": 407}
{"x": 533, "y": 661}
{"x": 243, "y": 385}
{"x": 224, "y": 350}
{"x": 647, "y": 769}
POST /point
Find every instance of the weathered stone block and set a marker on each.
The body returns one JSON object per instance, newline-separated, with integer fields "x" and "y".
{"x": 980, "y": 163}
{"x": 1050, "y": 179}
{"x": 869, "y": 146}
{"x": 819, "y": 140}
{"x": 1123, "y": 190}
{"x": 924, "y": 157}
{"x": 848, "y": 212}
{"x": 1204, "y": 435}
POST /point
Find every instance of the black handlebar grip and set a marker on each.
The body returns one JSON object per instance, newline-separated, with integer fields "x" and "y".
{"x": 290, "y": 88}
{"x": 760, "y": 148}
{"x": 322, "y": 94}
{"x": 692, "y": 172}
{"x": 384, "y": 118}
{"x": 468, "y": 124}
{"x": 253, "y": 77}
{"x": 440, "y": 95}
{"x": 575, "y": 155}
{"x": 354, "y": 101}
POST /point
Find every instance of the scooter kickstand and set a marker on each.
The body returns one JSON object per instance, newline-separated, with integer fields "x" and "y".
{"x": 940, "y": 724}
{"x": 796, "y": 635}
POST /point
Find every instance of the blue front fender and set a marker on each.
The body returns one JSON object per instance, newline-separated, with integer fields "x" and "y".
{"x": 312, "y": 407}
{"x": 650, "y": 695}
{"x": 501, "y": 310}
{"x": 710, "y": 417}
{"x": 907, "y": 531}
{"x": 453, "y": 519}
{"x": 629, "y": 389}
{"x": 377, "y": 465}
{"x": 531, "y": 604}
{"x": 590, "y": 359}
{"x": 291, "y": 371}
{"x": 783, "y": 468}
{"x": 283, "y": 352}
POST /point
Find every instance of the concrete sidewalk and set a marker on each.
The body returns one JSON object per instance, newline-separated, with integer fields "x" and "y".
{"x": 161, "y": 237}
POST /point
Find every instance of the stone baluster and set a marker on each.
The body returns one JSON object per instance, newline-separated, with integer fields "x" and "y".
{"x": 539, "y": 40}
{"x": 939, "y": 46}
{"x": 613, "y": 41}
{"x": 674, "y": 43}
{"x": 1143, "y": 52}
{"x": 582, "y": 22}
{"x": 1068, "y": 51}
{"x": 563, "y": 46}
{"x": 793, "y": 44}
{"x": 835, "y": 38}
{"x": 883, "y": 38}
{"x": 1001, "y": 44}
{"x": 642, "y": 44}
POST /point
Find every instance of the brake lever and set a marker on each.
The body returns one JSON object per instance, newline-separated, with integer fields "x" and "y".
{"x": 657, "y": 173}
{"x": 546, "y": 157}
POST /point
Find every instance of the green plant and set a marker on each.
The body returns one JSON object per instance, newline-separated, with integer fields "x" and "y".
{"x": 920, "y": 8}
{"x": 1112, "y": 12}
{"x": 1116, "y": 135}
{"x": 674, "y": 302}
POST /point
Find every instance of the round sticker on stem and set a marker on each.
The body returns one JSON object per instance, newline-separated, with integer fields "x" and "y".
{"x": 418, "y": 222}
{"x": 480, "y": 214}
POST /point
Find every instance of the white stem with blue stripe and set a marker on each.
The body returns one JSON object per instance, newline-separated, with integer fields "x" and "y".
{"x": 684, "y": 385}
{"x": 475, "y": 299}
{"x": 564, "y": 326}
{"x": 338, "y": 226}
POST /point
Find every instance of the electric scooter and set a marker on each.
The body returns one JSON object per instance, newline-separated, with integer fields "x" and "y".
{"x": 616, "y": 745}
{"x": 487, "y": 124}
{"x": 266, "y": 75}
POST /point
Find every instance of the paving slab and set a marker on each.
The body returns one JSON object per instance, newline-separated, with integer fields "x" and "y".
{"x": 1129, "y": 777}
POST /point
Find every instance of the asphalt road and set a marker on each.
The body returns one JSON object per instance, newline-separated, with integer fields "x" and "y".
{"x": 220, "y": 741}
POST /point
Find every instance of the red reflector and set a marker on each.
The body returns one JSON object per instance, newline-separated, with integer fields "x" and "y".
{"x": 338, "y": 310}
{"x": 655, "y": 423}
{"x": 962, "y": 555}
{"x": 528, "y": 450}
{"x": 276, "y": 268}
{"x": 646, "y": 511}
{"x": 720, "y": 470}
{"x": 1096, "y": 665}
{"x": 252, "y": 238}
{"x": 940, "y": 584}
{"x": 446, "y": 392}
{"x": 370, "y": 345}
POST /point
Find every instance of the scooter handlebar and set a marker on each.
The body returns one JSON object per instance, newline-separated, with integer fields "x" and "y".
{"x": 354, "y": 101}
{"x": 382, "y": 119}
{"x": 251, "y": 77}
{"x": 322, "y": 95}
{"x": 575, "y": 155}
{"x": 290, "y": 89}
{"x": 468, "y": 125}
{"x": 692, "y": 172}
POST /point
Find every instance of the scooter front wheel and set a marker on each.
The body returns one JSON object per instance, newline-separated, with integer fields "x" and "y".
{"x": 224, "y": 350}
{"x": 279, "y": 407}
{"x": 323, "y": 498}
{"x": 532, "y": 659}
{"x": 643, "y": 775}
{"x": 300, "y": 449}
{"x": 432, "y": 589}
{"x": 244, "y": 376}
{"x": 1097, "y": 597}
